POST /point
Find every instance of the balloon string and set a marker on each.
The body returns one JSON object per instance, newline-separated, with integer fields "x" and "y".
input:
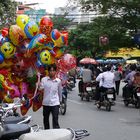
{"x": 37, "y": 85}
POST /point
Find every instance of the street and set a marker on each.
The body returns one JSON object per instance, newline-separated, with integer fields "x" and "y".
{"x": 121, "y": 123}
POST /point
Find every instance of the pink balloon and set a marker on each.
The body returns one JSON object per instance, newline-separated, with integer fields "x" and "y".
{"x": 16, "y": 92}
{"x": 24, "y": 88}
{"x": 67, "y": 62}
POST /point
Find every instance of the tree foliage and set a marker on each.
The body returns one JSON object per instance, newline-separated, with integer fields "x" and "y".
{"x": 7, "y": 12}
{"x": 127, "y": 10}
{"x": 120, "y": 21}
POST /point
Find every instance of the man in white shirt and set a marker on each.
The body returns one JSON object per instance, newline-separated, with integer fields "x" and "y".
{"x": 52, "y": 97}
{"x": 108, "y": 80}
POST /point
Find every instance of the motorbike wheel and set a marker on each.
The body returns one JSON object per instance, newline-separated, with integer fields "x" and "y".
{"x": 137, "y": 105}
{"x": 126, "y": 103}
{"x": 82, "y": 96}
{"x": 108, "y": 107}
{"x": 98, "y": 105}
{"x": 88, "y": 98}
{"x": 63, "y": 107}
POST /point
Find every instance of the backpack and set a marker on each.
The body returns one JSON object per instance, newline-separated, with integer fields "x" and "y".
{"x": 136, "y": 81}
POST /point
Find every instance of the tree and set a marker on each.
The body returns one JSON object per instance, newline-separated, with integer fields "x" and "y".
{"x": 85, "y": 38}
{"x": 127, "y": 10}
{"x": 7, "y": 12}
{"x": 118, "y": 20}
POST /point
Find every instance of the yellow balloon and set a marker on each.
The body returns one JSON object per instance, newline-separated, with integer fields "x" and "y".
{"x": 59, "y": 42}
{"x": 22, "y": 20}
{"x": 45, "y": 57}
{"x": 8, "y": 50}
{"x": 1, "y": 78}
{"x": 16, "y": 35}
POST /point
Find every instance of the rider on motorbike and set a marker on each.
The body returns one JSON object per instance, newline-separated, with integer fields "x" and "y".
{"x": 108, "y": 81}
{"x": 128, "y": 88}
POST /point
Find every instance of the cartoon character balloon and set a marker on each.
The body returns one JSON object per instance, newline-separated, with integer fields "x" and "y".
{"x": 16, "y": 35}
{"x": 8, "y": 50}
{"x": 31, "y": 29}
{"x": 22, "y": 20}
{"x": 45, "y": 57}
{"x": 46, "y": 25}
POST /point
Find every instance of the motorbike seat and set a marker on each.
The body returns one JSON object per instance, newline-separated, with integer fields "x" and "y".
{"x": 13, "y": 120}
{"x": 13, "y": 131}
{"x": 51, "y": 134}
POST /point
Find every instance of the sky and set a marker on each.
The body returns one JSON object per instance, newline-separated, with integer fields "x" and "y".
{"x": 49, "y": 5}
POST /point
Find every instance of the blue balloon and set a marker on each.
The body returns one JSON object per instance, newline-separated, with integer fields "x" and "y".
{"x": 1, "y": 58}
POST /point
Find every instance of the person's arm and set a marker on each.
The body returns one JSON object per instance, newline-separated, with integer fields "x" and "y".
{"x": 41, "y": 84}
{"x": 98, "y": 78}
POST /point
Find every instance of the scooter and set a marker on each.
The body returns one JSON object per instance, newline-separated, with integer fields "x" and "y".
{"x": 106, "y": 99}
{"x": 13, "y": 128}
{"x": 56, "y": 134}
{"x": 130, "y": 98}
{"x": 10, "y": 116}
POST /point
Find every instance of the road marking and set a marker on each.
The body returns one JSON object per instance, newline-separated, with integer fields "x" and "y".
{"x": 123, "y": 120}
{"x": 73, "y": 101}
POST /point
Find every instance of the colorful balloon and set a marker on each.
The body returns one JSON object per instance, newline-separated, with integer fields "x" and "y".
{"x": 58, "y": 52}
{"x": 1, "y": 58}
{"x": 31, "y": 29}
{"x": 16, "y": 35}
{"x": 22, "y": 20}
{"x": 45, "y": 57}
{"x": 8, "y": 50}
{"x": 57, "y": 38}
{"x": 67, "y": 62}
{"x": 38, "y": 41}
{"x": 3, "y": 39}
{"x": 4, "y": 32}
{"x": 46, "y": 25}
{"x": 65, "y": 37}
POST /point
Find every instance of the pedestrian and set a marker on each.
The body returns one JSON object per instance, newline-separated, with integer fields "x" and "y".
{"x": 118, "y": 77}
{"x": 52, "y": 97}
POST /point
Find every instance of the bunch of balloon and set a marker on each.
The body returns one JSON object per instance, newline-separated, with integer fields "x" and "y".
{"x": 30, "y": 45}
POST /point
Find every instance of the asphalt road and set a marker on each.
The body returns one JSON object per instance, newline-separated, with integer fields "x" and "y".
{"x": 121, "y": 123}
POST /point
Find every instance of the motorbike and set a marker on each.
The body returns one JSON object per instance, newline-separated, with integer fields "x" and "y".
{"x": 131, "y": 96}
{"x": 63, "y": 104}
{"x": 90, "y": 90}
{"x": 106, "y": 99}
{"x": 56, "y": 134}
{"x": 9, "y": 114}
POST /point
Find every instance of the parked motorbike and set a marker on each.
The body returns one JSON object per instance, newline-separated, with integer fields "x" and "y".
{"x": 9, "y": 114}
{"x": 106, "y": 99}
{"x": 56, "y": 134}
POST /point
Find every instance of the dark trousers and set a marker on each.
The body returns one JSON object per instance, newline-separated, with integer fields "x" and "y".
{"x": 117, "y": 83}
{"x": 46, "y": 113}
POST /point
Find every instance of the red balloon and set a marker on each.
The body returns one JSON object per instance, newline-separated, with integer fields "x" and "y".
{"x": 55, "y": 34}
{"x": 65, "y": 37}
{"x": 46, "y": 25}
{"x": 67, "y": 62}
{"x": 4, "y": 31}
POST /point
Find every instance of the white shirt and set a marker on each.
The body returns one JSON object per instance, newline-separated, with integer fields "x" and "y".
{"x": 108, "y": 79}
{"x": 52, "y": 91}
{"x": 99, "y": 79}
